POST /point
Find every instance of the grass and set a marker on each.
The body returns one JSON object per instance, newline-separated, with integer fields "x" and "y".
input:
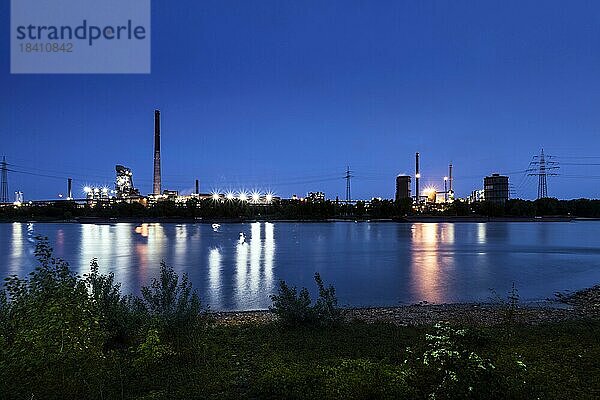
{"x": 250, "y": 361}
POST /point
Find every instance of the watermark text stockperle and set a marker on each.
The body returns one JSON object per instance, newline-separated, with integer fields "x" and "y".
{"x": 80, "y": 36}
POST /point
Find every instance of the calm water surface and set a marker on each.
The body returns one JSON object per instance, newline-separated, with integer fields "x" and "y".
{"x": 369, "y": 263}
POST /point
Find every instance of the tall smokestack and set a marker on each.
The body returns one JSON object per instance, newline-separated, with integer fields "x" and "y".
{"x": 417, "y": 176}
{"x": 450, "y": 176}
{"x": 69, "y": 187}
{"x": 156, "y": 182}
{"x": 197, "y": 187}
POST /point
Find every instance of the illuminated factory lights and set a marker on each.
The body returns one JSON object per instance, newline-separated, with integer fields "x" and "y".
{"x": 254, "y": 197}
{"x": 96, "y": 193}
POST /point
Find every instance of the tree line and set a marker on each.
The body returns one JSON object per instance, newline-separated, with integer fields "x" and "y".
{"x": 300, "y": 210}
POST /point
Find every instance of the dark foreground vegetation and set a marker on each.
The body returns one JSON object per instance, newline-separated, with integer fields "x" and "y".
{"x": 64, "y": 336}
{"x": 298, "y": 210}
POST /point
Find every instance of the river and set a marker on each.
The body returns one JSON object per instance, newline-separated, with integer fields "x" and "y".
{"x": 369, "y": 263}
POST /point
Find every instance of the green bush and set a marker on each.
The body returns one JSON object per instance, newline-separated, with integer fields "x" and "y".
{"x": 296, "y": 309}
{"x": 174, "y": 307}
{"x": 454, "y": 371}
{"x": 70, "y": 336}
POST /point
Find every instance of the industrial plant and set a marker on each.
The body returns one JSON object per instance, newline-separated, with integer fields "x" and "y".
{"x": 495, "y": 187}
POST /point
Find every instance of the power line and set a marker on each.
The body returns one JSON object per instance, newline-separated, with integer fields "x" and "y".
{"x": 545, "y": 168}
{"x": 347, "y": 177}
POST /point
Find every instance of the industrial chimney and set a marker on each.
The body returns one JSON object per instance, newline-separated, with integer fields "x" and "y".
{"x": 156, "y": 182}
{"x": 69, "y": 189}
{"x": 417, "y": 176}
{"x": 450, "y": 177}
{"x": 197, "y": 187}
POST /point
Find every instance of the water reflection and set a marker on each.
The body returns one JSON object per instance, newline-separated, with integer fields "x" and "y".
{"x": 96, "y": 242}
{"x": 254, "y": 267}
{"x": 180, "y": 243}
{"x": 214, "y": 276}
{"x": 269, "y": 247}
{"x": 481, "y": 233}
{"x": 241, "y": 273}
{"x": 14, "y": 266}
{"x": 431, "y": 260}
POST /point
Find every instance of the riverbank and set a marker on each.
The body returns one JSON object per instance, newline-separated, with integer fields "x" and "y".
{"x": 568, "y": 306}
{"x": 481, "y": 314}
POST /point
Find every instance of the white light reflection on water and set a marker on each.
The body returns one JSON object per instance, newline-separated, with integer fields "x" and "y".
{"x": 214, "y": 277}
{"x": 255, "y": 254}
{"x": 15, "y": 262}
{"x": 241, "y": 274}
{"x": 269, "y": 248}
{"x": 96, "y": 242}
{"x": 254, "y": 267}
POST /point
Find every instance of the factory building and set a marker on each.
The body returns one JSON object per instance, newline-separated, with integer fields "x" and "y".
{"x": 124, "y": 188}
{"x": 495, "y": 188}
{"x": 402, "y": 187}
{"x": 315, "y": 197}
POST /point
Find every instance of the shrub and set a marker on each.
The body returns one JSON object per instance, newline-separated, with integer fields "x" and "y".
{"x": 457, "y": 372}
{"x": 326, "y": 306}
{"x": 174, "y": 306}
{"x": 54, "y": 332}
{"x": 295, "y": 309}
{"x": 510, "y": 305}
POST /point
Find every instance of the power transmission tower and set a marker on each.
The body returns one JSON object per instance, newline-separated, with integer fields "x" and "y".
{"x": 4, "y": 194}
{"x": 542, "y": 167}
{"x": 348, "y": 176}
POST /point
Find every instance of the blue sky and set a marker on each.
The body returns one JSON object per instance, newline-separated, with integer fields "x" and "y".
{"x": 282, "y": 95}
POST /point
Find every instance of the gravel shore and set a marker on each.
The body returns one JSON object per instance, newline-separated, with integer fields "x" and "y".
{"x": 585, "y": 303}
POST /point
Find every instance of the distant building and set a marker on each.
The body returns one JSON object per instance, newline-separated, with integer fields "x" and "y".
{"x": 315, "y": 197}
{"x": 476, "y": 195}
{"x": 124, "y": 188}
{"x": 171, "y": 194}
{"x": 402, "y": 187}
{"x": 496, "y": 188}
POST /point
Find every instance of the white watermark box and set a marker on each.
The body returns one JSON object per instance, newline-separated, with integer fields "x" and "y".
{"x": 80, "y": 36}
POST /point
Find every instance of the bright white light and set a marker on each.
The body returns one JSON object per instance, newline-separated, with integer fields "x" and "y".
{"x": 87, "y": 189}
{"x": 255, "y": 196}
{"x": 229, "y": 196}
{"x": 96, "y": 190}
{"x": 445, "y": 178}
{"x": 417, "y": 175}
{"x": 243, "y": 196}
{"x": 105, "y": 190}
{"x": 215, "y": 196}
{"x": 269, "y": 197}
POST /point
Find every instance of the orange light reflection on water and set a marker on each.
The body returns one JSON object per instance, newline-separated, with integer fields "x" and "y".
{"x": 430, "y": 259}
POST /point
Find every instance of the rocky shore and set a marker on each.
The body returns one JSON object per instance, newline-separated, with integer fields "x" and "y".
{"x": 570, "y": 306}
